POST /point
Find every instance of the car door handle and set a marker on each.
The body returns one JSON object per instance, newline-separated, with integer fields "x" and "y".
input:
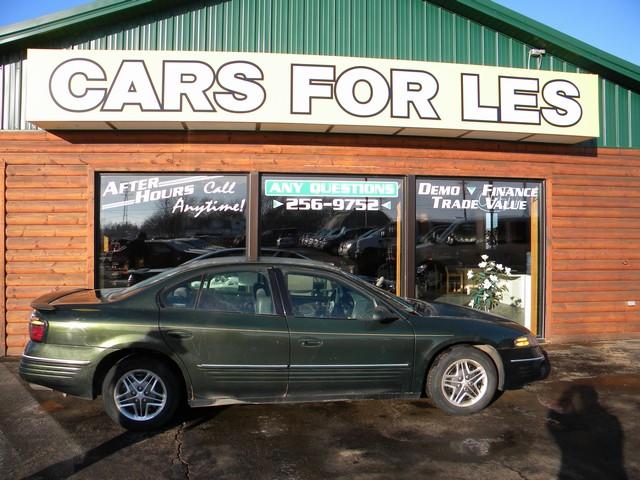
{"x": 310, "y": 342}
{"x": 179, "y": 334}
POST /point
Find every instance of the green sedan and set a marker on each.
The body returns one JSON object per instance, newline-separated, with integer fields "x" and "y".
{"x": 227, "y": 331}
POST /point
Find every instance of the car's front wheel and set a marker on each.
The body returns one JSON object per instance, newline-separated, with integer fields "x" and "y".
{"x": 140, "y": 393}
{"x": 463, "y": 380}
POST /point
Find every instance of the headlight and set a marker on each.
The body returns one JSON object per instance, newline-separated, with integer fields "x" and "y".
{"x": 526, "y": 341}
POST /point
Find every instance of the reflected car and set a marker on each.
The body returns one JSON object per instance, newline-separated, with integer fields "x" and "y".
{"x": 332, "y": 241}
{"x": 458, "y": 245}
{"x": 228, "y": 331}
{"x": 162, "y": 253}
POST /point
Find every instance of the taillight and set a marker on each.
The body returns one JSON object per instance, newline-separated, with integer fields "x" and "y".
{"x": 37, "y": 327}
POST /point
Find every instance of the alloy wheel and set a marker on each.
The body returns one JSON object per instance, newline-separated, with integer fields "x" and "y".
{"x": 140, "y": 395}
{"x": 464, "y": 383}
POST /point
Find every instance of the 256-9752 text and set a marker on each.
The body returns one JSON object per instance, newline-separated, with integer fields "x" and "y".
{"x": 339, "y": 204}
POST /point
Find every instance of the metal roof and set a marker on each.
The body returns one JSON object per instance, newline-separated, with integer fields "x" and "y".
{"x": 69, "y": 22}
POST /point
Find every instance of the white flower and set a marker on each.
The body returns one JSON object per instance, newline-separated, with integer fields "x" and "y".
{"x": 470, "y": 303}
{"x": 470, "y": 274}
{"x": 493, "y": 278}
{"x": 482, "y": 264}
{"x": 499, "y": 266}
{"x": 507, "y": 270}
{"x": 487, "y": 284}
{"x": 485, "y": 296}
{"x": 484, "y": 257}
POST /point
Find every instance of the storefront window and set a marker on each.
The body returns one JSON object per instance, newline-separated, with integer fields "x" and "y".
{"x": 151, "y": 222}
{"x": 459, "y": 222}
{"x": 350, "y": 222}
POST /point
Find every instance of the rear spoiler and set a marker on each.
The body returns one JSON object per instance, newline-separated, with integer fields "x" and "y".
{"x": 44, "y": 302}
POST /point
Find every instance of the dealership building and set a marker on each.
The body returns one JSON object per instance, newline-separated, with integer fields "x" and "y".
{"x": 401, "y": 141}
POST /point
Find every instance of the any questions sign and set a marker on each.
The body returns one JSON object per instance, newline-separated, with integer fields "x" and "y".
{"x": 70, "y": 89}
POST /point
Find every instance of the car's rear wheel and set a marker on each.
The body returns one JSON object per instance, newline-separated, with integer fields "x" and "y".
{"x": 140, "y": 393}
{"x": 463, "y": 380}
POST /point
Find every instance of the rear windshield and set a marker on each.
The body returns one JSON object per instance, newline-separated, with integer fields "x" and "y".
{"x": 156, "y": 279}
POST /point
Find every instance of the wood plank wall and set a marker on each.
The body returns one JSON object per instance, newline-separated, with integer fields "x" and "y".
{"x": 592, "y": 206}
{"x": 3, "y": 320}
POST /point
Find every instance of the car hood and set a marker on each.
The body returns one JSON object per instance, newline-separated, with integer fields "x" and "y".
{"x": 448, "y": 310}
{"x": 445, "y": 318}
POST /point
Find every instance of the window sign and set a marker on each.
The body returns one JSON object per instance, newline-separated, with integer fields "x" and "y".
{"x": 351, "y": 222}
{"x": 462, "y": 226}
{"x": 151, "y": 222}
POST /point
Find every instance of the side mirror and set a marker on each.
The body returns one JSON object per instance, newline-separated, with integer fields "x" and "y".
{"x": 383, "y": 315}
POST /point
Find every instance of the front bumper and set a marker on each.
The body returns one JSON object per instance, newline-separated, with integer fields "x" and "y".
{"x": 66, "y": 369}
{"x": 524, "y": 365}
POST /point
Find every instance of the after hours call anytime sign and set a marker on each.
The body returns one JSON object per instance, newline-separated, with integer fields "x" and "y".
{"x": 73, "y": 89}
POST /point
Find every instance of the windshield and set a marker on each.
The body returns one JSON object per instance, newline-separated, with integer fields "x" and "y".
{"x": 409, "y": 305}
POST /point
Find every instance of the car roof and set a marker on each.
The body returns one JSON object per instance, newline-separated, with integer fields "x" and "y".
{"x": 266, "y": 261}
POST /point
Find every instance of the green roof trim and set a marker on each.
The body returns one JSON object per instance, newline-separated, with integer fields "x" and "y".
{"x": 37, "y": 32}
{"x": 75, "y": 20}
{"x": 553, "y": 41}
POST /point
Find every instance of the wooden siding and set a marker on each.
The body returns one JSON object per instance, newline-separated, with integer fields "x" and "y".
{"x": 592, "y": 206}
{"x": 46, "y": 237}
{"x": 3, "y": 320}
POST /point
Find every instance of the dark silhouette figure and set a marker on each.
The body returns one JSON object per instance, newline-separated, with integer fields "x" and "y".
{"x": 590, "y": 438}
{"x": 136, "y": 251}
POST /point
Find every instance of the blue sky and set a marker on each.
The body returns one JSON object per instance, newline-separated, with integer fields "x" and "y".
{"x": 610, "y": 25}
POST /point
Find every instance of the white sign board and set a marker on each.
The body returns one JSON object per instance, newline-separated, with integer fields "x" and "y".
{"x": 72, "y": 89}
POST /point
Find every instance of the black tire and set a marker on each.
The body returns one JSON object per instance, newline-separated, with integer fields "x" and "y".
{"x": 156, "y": 405}
{"x": 460, "y": 394}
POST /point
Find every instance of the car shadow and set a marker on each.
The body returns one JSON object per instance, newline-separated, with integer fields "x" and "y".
{"x": 187, "y": 419}
{"x": 590, "y": 438}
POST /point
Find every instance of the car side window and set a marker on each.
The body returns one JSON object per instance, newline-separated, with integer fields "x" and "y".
{"x": 324, "y": 297}
{"x": 182, "y": 295}
{"x": 236, "y": 291}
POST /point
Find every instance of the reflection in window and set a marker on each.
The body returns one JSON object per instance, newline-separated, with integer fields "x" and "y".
{"x": 241, "y": 292}
{"x": 152, "y": 222}
{"x": 458, "y": 221}
{"x": 320, "y": 297}
{"x": 350, "y": 222}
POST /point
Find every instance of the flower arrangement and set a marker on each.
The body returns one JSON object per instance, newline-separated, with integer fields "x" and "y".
{"x": 489, "y": 284}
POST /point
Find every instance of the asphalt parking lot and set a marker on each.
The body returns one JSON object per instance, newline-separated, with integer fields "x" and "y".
{"x": 583, "y": 422}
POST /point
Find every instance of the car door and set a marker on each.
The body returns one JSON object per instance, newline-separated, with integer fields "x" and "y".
{"x": 337, "y": 349}
{"x": 229, "y": 332}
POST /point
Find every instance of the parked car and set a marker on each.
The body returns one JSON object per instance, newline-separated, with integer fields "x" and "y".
{"x": 227, "y": 330}
{"x": 137, "y": 275}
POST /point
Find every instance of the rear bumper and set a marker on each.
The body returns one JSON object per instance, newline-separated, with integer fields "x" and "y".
{"x": 71, "y": 372}
{"x": 524, "y": 365}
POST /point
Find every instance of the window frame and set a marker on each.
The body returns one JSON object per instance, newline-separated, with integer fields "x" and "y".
{"x": 410, "y": 241}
